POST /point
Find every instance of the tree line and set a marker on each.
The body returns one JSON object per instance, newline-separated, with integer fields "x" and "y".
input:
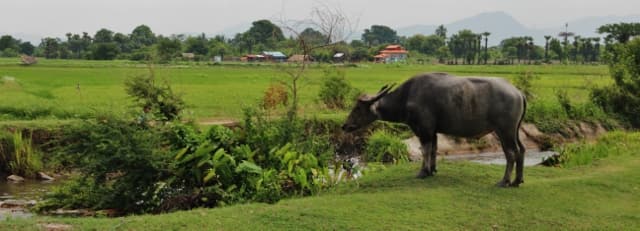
{"x": 463, "y": 47}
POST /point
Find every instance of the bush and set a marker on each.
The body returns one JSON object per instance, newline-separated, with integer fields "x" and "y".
{"x": 120, "y": 161}
{"x": 384, "y": 147}
{"x": 157, "y": 100}
{"x": 524, "y": 82}
{"x": 275, "y": 95}
{"x": 137, "y": 169}
{"x": 623, "y": 98}
{"x": 335, "y": 90}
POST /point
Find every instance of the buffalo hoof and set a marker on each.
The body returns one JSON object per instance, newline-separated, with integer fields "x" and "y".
{"x": 503, "y": 184}
{"x": 424, "y": 174}
{"x": 516, "y": 183}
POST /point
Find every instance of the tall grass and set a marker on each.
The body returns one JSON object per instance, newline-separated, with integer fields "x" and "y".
{"x": 583, "y": 153}
{"x": 18, "y": 155}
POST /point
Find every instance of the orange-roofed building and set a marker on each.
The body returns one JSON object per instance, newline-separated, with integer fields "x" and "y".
{"x": 391, "y": 54}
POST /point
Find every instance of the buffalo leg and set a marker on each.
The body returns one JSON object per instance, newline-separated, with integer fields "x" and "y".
{"x": 434, "y": 150}
{"x": 510, "y": 149}
{"x": 427, "y": 146}
{"x": 519, "y": 164}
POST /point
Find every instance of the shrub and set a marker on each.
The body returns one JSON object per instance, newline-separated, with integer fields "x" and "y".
{"x": 154, "y": 99}
{"x": 121, "y": 161}
{"x": 524, "y": 82}
{"x": 275, "y": 95}
{"x": 383, "y": 147}
{"x": 137, "y": 169}
{"x": 623, "y": 98}
{"x": 335, "y": 89}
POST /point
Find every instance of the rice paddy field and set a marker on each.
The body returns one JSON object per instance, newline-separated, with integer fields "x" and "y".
{"x": 67, "y": 89}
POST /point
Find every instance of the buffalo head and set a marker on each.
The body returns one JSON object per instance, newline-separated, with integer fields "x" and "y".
{"x": 364, "y": 113}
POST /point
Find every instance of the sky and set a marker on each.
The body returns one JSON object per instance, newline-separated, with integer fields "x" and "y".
{"x": 56, "y": 17}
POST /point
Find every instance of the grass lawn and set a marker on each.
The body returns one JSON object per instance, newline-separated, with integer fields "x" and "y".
{"x": 73, "y": 88}
{"x": 602, "y": 195}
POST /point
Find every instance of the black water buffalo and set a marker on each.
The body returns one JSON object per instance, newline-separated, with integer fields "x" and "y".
{"x": 440, "y": 103}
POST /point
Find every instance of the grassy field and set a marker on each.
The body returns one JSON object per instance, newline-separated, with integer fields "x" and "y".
{"x": 603, "y": 194}
{"x": 63, "y": 89}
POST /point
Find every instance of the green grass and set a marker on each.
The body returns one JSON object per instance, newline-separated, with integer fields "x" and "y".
{"x": 50, "y": 88}
{"x": 601, "y": 195}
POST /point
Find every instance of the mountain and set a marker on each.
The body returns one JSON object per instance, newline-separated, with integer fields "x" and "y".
{"x": 502, "y": 25}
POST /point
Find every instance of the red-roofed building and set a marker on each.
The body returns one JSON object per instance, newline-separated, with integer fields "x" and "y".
{"x": 391, "y": 54}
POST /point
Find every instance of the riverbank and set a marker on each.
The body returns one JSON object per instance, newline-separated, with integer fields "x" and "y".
{"x": 603, "y": 195}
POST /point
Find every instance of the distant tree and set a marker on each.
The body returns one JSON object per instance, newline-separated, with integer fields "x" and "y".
{"x": 263, "y": 32}
{"x": 379, "y": 34}
{"x": 105, "y": 51}
{"x": 50, "y": 47}
{"x": 556, "y": 47}
{"x": 217, "y": 47}
{"x": 566, "y": 34}
{"x": 441, "y": 31}
{"x": 26, "y": 48}
{"x": 103, "y": 36}
{"x": 486, "y": 47}
{"x": 7, "y": 41}
{"x": 197, "y": 45}
{"x": 124, "y": 43}
{"x": 360, "y": 51}
{"x": 142, "y": 36}
{"x": 77, "y": 45}
{"x": 546, "y": 47}
{"x": 620, "y": 32}
{"x": 443, "y": 54}
{"x": 313, "y": 37}
{"x": 416, "y": 42}
{"x": 168, "y": 48}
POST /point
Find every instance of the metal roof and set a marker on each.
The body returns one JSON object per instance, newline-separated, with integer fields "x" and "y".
{"x": 275, "y": 54}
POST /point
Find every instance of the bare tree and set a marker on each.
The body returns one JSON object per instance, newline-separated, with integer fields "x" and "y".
{"x": 335, "y": 26}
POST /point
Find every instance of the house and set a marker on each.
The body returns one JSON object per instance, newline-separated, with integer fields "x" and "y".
{"x": 252, "y": 58}
{"x": 299, "y": 58}
{"x": 391, "y": 54}
{"x": 274, "y": 56}
{"x": 339, "y": 57}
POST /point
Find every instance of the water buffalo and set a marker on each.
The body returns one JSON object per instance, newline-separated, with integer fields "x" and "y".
{"x": 440, "y": 103}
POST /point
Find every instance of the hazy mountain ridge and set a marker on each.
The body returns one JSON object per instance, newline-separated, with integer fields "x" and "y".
{"x": 502, "y": 25}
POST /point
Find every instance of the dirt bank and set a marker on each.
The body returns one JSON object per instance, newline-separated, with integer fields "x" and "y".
{"x": 530, "y": 136}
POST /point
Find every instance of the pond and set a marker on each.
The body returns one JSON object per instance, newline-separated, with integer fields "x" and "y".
{"x": 15, "y": 197}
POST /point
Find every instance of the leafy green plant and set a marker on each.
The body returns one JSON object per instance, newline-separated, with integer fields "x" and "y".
{"x": 524, "y": 81}
{"x": 383, "y": 147}
{"x": 122, "y": 160}
{"x": 155, "y": 99}
{"x": 335, "y": 89}
{"x": 623, "y": 98}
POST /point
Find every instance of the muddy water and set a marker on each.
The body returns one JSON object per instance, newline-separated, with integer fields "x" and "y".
{"x": 24, "y": 192}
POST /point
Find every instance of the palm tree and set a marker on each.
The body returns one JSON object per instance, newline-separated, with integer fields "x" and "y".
{"x": 486, "y": 39}
{"x": 528, "y": 40}
{"x": 596, "y": 49}
{"x": 566, "y": 34}
{"x": 546, "y": 47}
{"x": 576, "y": 47}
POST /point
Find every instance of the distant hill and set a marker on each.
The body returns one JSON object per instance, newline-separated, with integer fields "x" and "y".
{"x": 502, "y": 25}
